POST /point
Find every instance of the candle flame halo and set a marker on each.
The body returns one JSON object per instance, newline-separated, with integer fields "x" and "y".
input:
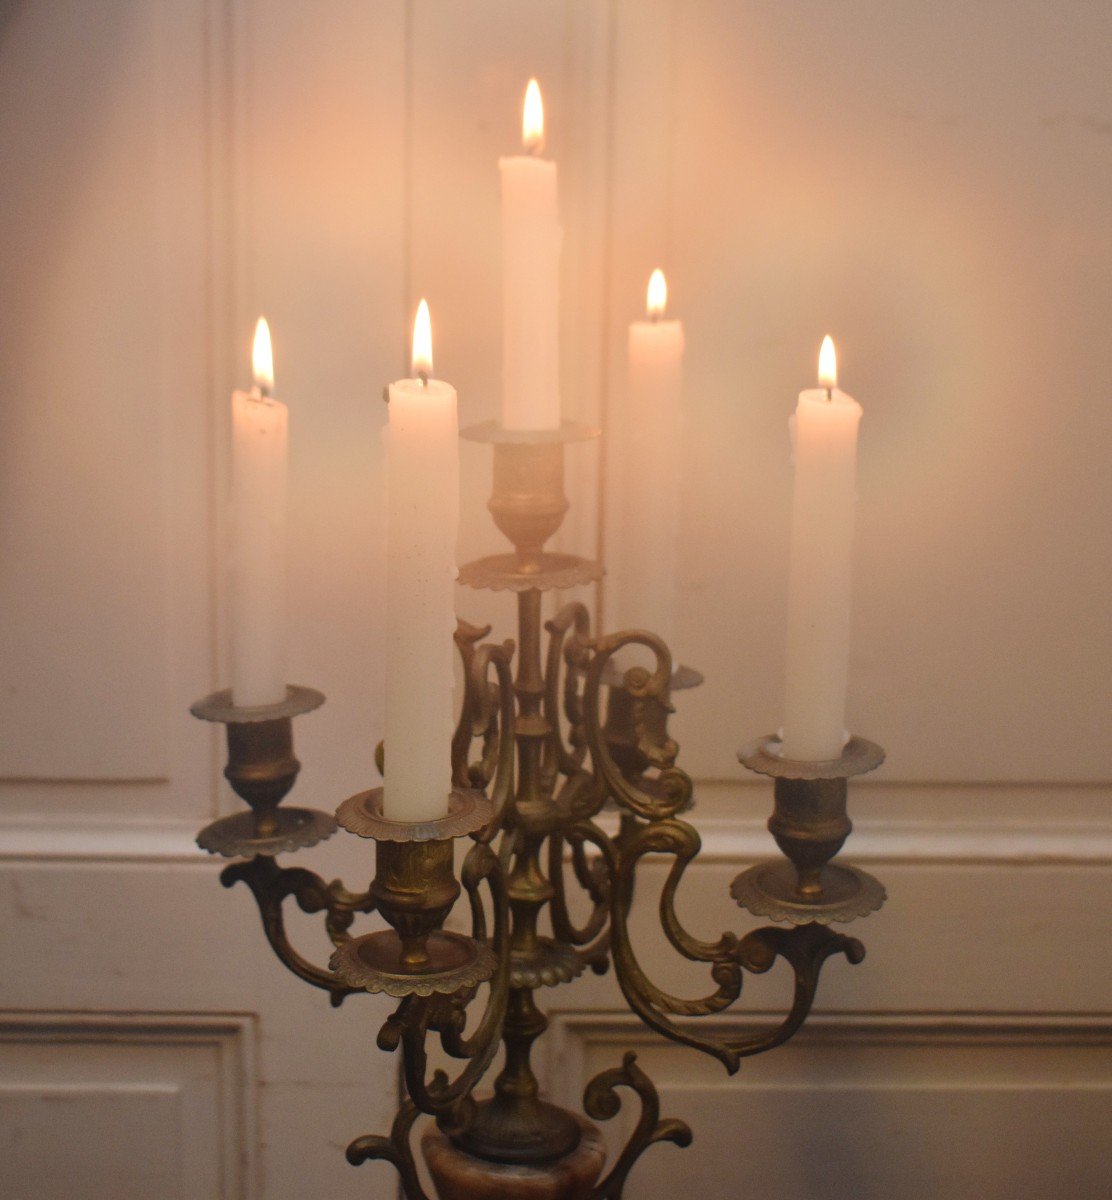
{"x": 656, "y": 298}
{"x": 828, "y": 365}
{"x": 262, "y": 358}
{"x": 422, "y": 342}
{"x": 532, "y": 119}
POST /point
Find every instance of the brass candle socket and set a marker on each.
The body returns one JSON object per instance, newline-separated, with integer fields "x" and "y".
{"x": 414, "y": 889}
{"x": 527, "y": 500}
{"x": 528, "y": 505}
{"x": 810, "y": 824}
{"x": 261, "y": 769}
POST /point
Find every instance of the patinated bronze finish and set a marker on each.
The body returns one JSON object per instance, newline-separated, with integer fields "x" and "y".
{"x": 543, "y": 747}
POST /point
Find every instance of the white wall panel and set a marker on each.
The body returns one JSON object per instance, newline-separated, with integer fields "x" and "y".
{"x": 132, "y": 1107}
{"x": 863, "y": 1107}
{"x": 104, "y": 379}
{"x": 928, "y": 182}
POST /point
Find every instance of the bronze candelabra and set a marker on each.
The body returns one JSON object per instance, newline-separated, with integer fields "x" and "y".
{"x": 561, "y": 734}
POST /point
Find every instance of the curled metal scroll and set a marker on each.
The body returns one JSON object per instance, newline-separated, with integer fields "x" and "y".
{"x": 670, "y": 790}
{"x": 271, "y": 884}
{"x": 602, "y": 1102}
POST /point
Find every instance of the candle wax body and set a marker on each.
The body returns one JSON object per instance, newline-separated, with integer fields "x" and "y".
{"x": 649, "y": 443}
{"x": 422, "y": 457}
{"x": 257, "y": 560}
{"x": 531, "y": 238}
{"x": 825, "y": 496}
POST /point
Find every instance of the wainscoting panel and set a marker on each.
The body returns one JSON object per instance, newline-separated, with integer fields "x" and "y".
{"x": 131, "y": 1106}
{"x": 862, "y": 1106}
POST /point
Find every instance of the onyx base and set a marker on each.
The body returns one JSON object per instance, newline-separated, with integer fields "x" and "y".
{"x": 461, "y": 1176}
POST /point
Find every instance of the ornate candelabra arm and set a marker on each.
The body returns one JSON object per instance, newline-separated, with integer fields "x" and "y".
{"x": 270, "y": 885}
{"x": 805, "y": 949}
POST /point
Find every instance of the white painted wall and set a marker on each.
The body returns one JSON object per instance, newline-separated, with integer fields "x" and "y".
{"x": 927, "y": 182}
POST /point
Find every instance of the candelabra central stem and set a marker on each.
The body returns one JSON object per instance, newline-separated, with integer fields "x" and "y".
{"x": 515, "y": 1125}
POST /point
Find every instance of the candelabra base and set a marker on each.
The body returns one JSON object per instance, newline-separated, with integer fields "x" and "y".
{"x": 461, "y": 1176}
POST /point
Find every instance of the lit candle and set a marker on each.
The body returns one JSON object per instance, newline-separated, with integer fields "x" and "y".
{"x": 531, "y": 238}
{"x": 257, "y": 565}
{"x": 422, "y": 472}
{"x": 825, "y": 437}
{"x": 649, "y": 445}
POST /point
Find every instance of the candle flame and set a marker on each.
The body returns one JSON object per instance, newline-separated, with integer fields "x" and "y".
{"x": 656, "y": 300}
{"x": 262, "y": 358}
{"x": 422, "y": 342}
{"x": 532, "y": 119}
{"x": 828, "y": 364}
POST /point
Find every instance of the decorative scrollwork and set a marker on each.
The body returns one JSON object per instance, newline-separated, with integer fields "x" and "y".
{"x": 669, "y": 791}
{"x": 569, "y": 648}
{"x": 395, "y": 1149}
{"x": 602, "y": 1102}
{"x": 476, "y": 717}
{"x": 805, "y": 948}
{"x": 271, "y": 884}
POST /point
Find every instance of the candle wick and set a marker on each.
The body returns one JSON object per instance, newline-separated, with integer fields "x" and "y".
{"x": 830, "y": 395}
{"x": 258, "y": 392}
{"x": 423, "y": 376}
{"x": 386, "y": 395}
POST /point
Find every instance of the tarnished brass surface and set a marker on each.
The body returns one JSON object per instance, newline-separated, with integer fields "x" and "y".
{"x": 843, "y": 894}
{"x": 545, "y": 572}
{"x": 493, "y": 433}
{"x": 468, "y": 811}
{"x": 450, "y": 962}
{"x": 858, "y": 757}
{"x": 238, "y": 836}
{"x": 810, "y": 825}
{"x": 219, "y": 706}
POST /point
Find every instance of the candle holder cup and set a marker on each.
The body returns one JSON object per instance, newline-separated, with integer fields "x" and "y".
{"x": 528, "y": 505}
{"x": 261, "y": 769}
{"x": 810, "y": 824}
{"x": 414, "y": 889}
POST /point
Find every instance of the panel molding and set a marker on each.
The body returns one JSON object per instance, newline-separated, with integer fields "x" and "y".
{"x": 230, "y": 1037}
{"x": 859, "y": 1101}
{"x": 725, "y": 840}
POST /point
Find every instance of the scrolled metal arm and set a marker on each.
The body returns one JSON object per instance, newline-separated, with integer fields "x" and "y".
{"x": 654, "y": 828}
{"x": 271, "y": 884}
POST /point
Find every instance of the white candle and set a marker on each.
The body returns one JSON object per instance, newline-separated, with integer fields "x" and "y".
{"x": 649, "y": 446}
{"x": 825, "y": 438}
{"x": 257, "y": 565}
{"x": 422, "y": 465}
{"x": 531, "y": 238}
